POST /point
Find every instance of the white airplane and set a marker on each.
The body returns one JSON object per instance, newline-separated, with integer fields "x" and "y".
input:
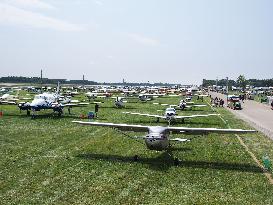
{"x": 72, "y": 93}
{"x": 170, "y": 115}
{"x": 11, "y": 99}
{"x": 182, "y": 105}
{"x": 48, "y": 101}
{"x": 94, "y": 95}
{"x": 119, "y": 102}
{"x": 149, "y": 96}
{"x": 144, "y": 97}
{"x": 8, "y": 99}
{"x": 158, "y": 137}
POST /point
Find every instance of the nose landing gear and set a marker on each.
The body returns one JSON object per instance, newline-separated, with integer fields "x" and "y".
{"x": 136, "y": 158}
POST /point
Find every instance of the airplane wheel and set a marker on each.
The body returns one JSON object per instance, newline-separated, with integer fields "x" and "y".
{"x": 60, "y": 113}
{"x": 136, "y": 158}
{"x": 176, "y": 161}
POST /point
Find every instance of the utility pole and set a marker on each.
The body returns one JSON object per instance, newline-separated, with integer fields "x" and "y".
{"x": 217, "y": 84}
{"x": 41, "y": 77}
{"x": 83, "y": 87}
{"x": 227, "y": 89}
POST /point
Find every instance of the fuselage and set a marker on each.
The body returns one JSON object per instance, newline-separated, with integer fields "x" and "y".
{"x": 8, "y": 97}
{"x": 182, "y": 105}
{"x": 157, "y": 139}
{"x": 119, "y": 102}
{"x": 170, "y": 114}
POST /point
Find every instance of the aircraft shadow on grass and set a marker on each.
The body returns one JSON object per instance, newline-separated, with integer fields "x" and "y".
{"x": 165, "y": 161}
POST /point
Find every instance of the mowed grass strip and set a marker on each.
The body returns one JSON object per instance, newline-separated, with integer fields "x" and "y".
{"x": 50, "y": 160}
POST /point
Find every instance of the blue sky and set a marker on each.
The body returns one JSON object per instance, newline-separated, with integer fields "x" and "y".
{"x": 175, "y": 41}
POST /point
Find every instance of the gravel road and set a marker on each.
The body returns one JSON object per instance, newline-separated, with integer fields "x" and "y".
{"x": 258, "y": 115}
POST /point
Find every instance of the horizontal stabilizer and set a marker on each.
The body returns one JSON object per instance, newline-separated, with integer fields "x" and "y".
{"x": 180, "y": 140}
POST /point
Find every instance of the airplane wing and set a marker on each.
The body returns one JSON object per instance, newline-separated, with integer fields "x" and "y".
{"x": 164, "y": 104}
{"x": 198, "y": 105}
{"x": 188, "y": 130}
{"x": 70, "y": 105}
{"x": 144, "y": 114}
{"x": 172, "y": 95}
{"x": 75, "y": 104}
{"x": 190, "y": 103}
{"x": 175, "y": 130}
{"x": 74, "y": 101}
{"x": 123, "y": 127}
{"x": 94, "y": 102}
{"x": 179, "y": 140}
{"x": 193, "y": 116}
{"x": 5, "y": 102}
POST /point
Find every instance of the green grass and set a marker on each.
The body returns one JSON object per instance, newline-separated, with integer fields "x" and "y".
{"x": 50, "y": 160}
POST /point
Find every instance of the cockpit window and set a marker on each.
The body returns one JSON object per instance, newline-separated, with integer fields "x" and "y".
{"x": 170, "y": 109}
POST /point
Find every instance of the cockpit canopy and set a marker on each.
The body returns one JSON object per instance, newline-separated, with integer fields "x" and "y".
{"x": 170, "y": 109}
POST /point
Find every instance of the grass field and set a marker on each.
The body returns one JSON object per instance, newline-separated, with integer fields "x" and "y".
{"x": 50, "y": 160}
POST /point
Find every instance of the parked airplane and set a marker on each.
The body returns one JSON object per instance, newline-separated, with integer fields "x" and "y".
{"x": 182, "y": 105}
{"x": 48, "y": 101}
{"x": 158, "y": 137}
{"x": 94, "y": 95}
{"x": 169, "y": 115}
{"x": 8, "y": 99}
{"x": 11, "y": 99}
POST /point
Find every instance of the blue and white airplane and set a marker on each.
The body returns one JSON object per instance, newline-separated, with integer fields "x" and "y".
{"x": 53, "y": 101}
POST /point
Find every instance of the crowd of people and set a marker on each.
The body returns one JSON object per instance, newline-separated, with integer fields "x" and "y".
{"x": 217, "y": 102}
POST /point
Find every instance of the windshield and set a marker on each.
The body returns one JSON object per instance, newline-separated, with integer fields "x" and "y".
{"x": 170, "y": 109}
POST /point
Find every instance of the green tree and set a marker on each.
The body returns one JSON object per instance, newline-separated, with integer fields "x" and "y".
{"x": 241, "y": 81}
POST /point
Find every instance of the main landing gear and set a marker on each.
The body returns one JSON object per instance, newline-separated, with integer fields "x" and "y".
{"x": 176, "y": 161}
{"x": 136, "y": 158}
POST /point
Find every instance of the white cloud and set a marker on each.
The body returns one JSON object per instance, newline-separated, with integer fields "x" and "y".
{"x": 143, "y": 39}
{"x": 11, "y": 15}
{"x": 30, "y": 4}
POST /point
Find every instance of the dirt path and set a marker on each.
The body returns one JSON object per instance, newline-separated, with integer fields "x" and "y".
{"x": 258, "y": 115}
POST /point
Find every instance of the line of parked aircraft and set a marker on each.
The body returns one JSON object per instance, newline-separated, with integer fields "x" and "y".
{"x": 157, "y": 137}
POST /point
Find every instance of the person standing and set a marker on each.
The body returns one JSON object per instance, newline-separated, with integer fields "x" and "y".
{"x": 96, "y": 109}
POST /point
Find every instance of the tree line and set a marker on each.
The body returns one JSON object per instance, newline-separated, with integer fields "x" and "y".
{"x": 37, "y": 80}
{"x": 241, "y": 81}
